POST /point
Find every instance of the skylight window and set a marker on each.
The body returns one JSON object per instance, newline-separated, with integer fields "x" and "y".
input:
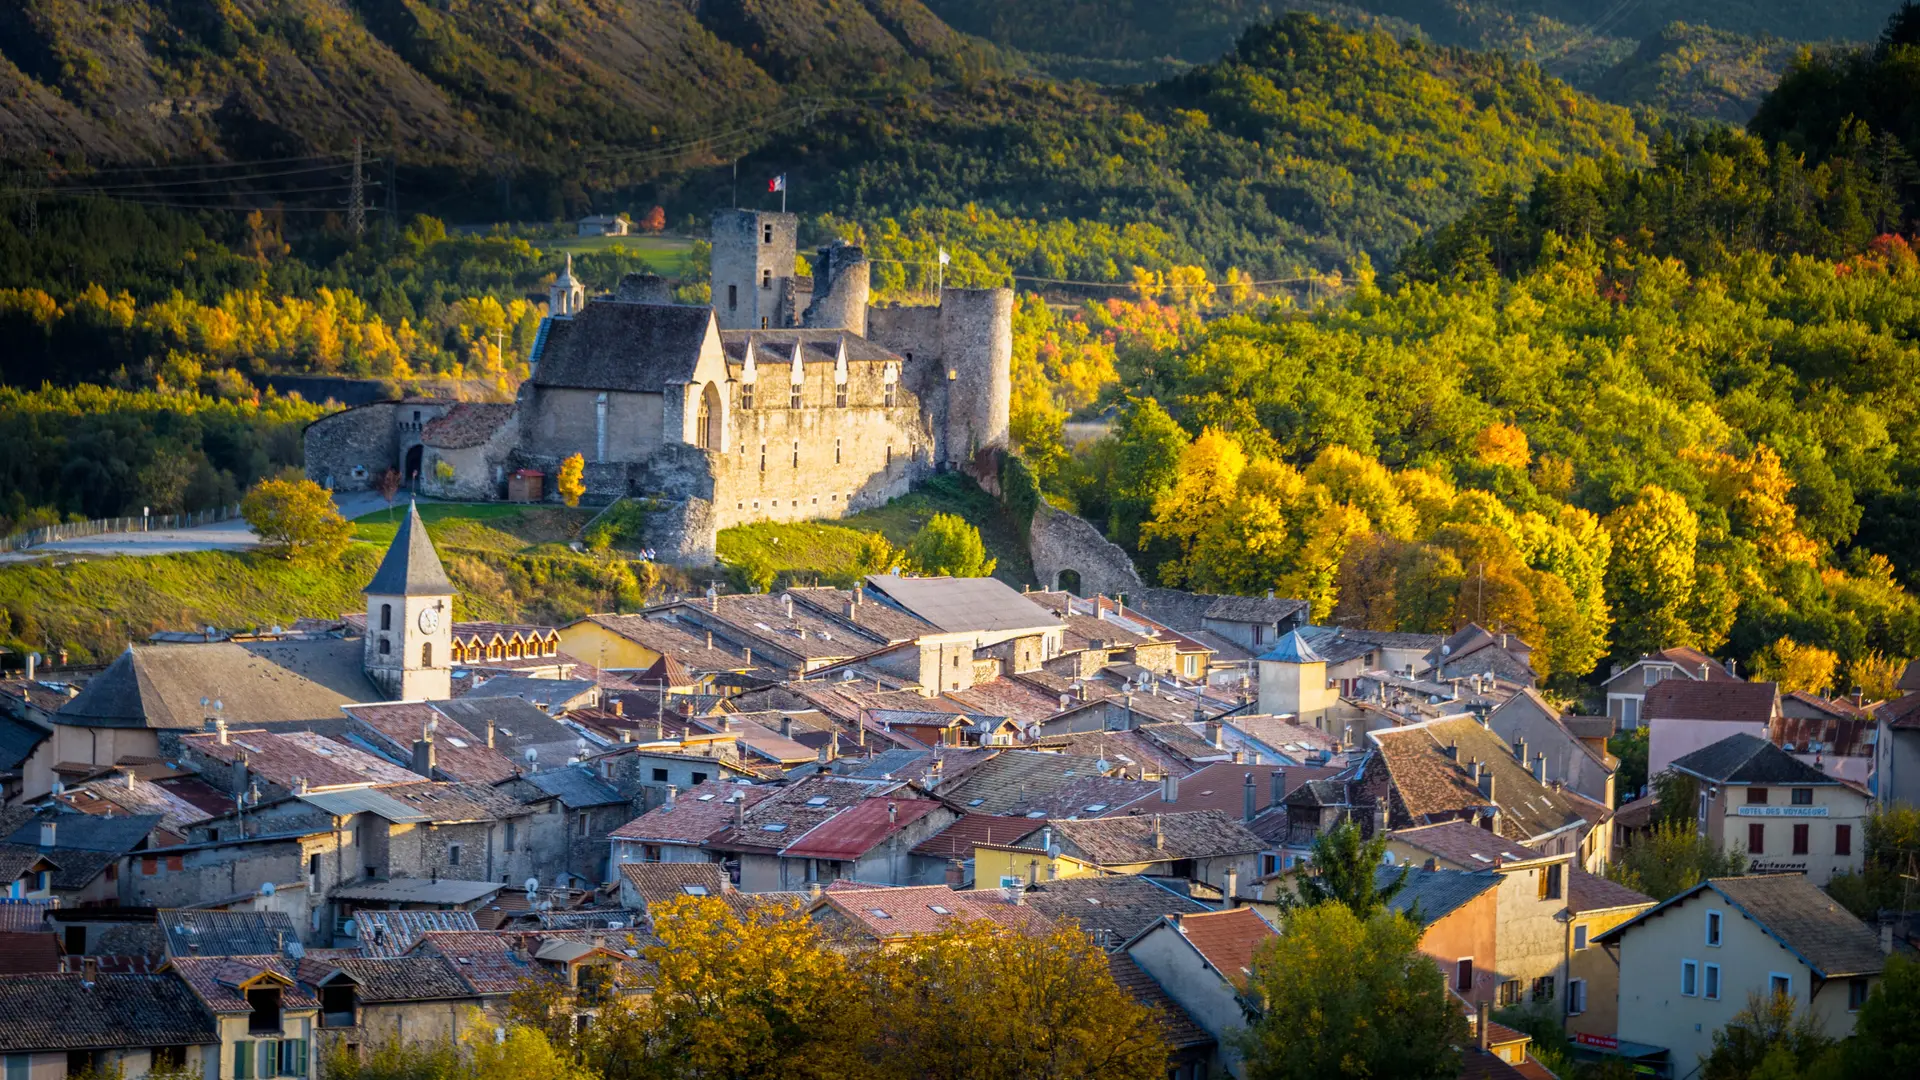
{"x": 1094, "y": 900}
{"x": 1095, "y": 807}
{"x": 694, "y": 890}
{"x": 938, "y": 910}
{"x": 878, "y": 914}
{"x": 1481, "y": 858}
{"x": 777, "y": 826}
{"x": 818, "y": 800}
{"x": 1036, "y": 813}
{"x": 508, "y": 732}
{"x": 706, "y": 798}
{"x": 975, "y": 802}
{"x": 1510, "y": 855}
{"x": 458, "y": 743}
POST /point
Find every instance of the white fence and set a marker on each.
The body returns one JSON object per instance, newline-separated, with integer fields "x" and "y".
{"x": 21, "y": 541}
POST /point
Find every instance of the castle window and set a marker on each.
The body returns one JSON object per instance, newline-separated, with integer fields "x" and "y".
{"x": 890, "y": 395}
{"x": 386, "y": 616}
{"x": 763, "y": 457}
{"x": 426, "y": 654}
{"x": 889, "y": 454}
{"x": 766, "y": 279}
{"x": 796, "y": 453}
{"x": 836, "y": 451}
{"x": 385, "y": 646}
{"x": 840, "y": 395}
{"x": 793, "y": 397}
{"x": 746, "y": 395}
{"x": 766, "y": 233}
{"x": 733, "y": 297}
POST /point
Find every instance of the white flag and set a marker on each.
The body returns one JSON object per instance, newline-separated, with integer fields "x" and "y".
{"x": 944, "y": 257}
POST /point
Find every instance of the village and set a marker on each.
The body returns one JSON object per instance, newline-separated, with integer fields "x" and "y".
{"x": 236, "y": 854}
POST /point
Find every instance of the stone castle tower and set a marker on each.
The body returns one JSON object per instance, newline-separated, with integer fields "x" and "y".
{"x": 958, "y": 354}
{"x": 410, "y": 618}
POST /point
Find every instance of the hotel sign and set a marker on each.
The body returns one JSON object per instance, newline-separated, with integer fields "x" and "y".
{"x": 1781, "y": 811}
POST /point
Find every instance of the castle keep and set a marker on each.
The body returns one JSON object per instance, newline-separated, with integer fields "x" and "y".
{"x": 779, "y": 402}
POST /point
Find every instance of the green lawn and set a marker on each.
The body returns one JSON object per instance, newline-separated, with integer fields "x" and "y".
{"x": 502, "y": 527}
{"x": 663, "y": 252}
{"x": 825, "y": 551}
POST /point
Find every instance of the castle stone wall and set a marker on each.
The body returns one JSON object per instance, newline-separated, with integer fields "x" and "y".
{"x": 976, "y": 335}
{"x": 557, "y": 423}
{"x": 1059, "y": 541}
{"x": 752, "y": 275}
{"x": 842, "y": 283}
{"x": 346, "y": 450}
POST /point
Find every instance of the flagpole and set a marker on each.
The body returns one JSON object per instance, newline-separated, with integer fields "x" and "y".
{"x": 783, "y": 193}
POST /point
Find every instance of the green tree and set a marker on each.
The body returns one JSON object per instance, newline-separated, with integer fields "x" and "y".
{"x": 1770, "y": 1039}
{"x": 947, "y": 546}
{"x": 1891, "y": 852}
{"x": 1630, "y": 747}
{"x": 295, "y": 520}
{"x": 1388, "y": 1013}
{"x": 1672, "y": 858}
{"x": 568, "y": 483}
{"x": 1650, "y": 581}
{"x": 1147, "y": 465}
{"x": 1886, "y": 1035}
{"x": 1342, "y": 871}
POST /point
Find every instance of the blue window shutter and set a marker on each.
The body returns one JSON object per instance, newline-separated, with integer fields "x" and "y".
{"x": 243, "y": 1060}
{"x": 269, "y": 1058}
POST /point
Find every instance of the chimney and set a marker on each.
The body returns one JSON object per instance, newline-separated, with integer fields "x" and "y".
{"x": 1452, "y": 750}
{"x": 709, "y": 639}
{"x": 673, "y": 794}
{"x": 1886, "y": 937}
{"x": 749, "y": 657}
{"x": 956, "y": 875}
{"x": 1483, "y": 1026}
{"x": 1278, "y": 782}
{"x": 1703, "y": 670}
{"x": 1380, "y": 816}
{"x": 1230, "y": 890}
{"x": 1520, "y": 751}
{"x": 89, "y": 970}
{"x": 786, "y": 601}
{"x": 1486, "y": 785}
{"x": 893, "y": 813}
{"x": 1046, "y": 840}
{"x": 619, "y": 707}
{"x": 1540, "y": 768}
{"x": 1248, "y": 798}
{"x": 740, "y": 814}
{"x": 33, "y": 662}
{"x": 1170, "y": 788}
{"x": 1213, "y": 734}
{"x": 299, "y": 785}
{"x": 490, "y": 732}
{"x": 1253, "y": 757}
{"x": 238, "y": 774}
{"x": 48, "y": 831}
{"x": 423, "y": 757}
{"x": 786, "y": 727}
{"x": 1159, "y": 835}
{"x": 131, "y": 779}
{"x": 813, "y": 890}
{"x": 220, "y": 731}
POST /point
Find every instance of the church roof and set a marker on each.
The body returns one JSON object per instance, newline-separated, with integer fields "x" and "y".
{"x": 160, "y": 686}
{"x": 411, "y": 567}
{"x": 637, "y": 348}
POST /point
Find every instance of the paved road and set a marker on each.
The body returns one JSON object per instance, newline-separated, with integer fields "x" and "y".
{"x": 222, "y": 536}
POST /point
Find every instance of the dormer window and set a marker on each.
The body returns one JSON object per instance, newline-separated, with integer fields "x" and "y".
{"x": 793, "y": 397}
{"x": 840, "y": 395}
{"x": 265, "y": 1017}
{"x": 337, "y": 1005}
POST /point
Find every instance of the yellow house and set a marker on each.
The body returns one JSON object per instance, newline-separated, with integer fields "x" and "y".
{"x": 1595, "y": 906}
{"x": 1006, "y": 866}
{"x": 265, "y": 1017}
{"x": 636, "y": 643}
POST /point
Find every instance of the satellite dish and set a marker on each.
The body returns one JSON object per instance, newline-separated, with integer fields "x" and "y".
{"x": 433, "y": 725}
{"x": 351, "y": 928}
{"x": 266, "y": 888}
{"x": 533, "y": 884}
{"x": 532, "y": 755}
{"x": 296, "y": 950}
{"x": 616, "y": 924}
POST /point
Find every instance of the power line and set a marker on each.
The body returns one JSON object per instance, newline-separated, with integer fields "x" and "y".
{"x": 205, "y": 181}
{"x": 357, "y": 198}
{"x": 200, "y": 165}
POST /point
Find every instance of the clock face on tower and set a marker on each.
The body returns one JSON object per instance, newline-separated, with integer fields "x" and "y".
{"x": 429, "y": 620}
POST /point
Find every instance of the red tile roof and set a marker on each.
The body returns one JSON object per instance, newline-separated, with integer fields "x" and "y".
{"x": 1466, "y": 845}
{"x": 1587, "y": 892}
{"x": 1684, "y": 699}
{"x": 29, "y": 954}
{"x": 485, "y": 960}
{"x": 696, "y": 815}
{"x": 1227, "y": 940}
{"x": 859, "y": 829}
{"x": 217, "y": 980}
{"x": 400, "y": 725}
{"x": 892, "y": 913}
{"x": 1902, "y": 712}
{"x": 1183, "y": 1033}
{"x": 957, "y": 840}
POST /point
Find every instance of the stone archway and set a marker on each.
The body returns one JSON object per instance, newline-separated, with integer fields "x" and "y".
{"x": 1067, "y": 581}
{"x": 706, "y": 425}
{"x": 411, "y": 474}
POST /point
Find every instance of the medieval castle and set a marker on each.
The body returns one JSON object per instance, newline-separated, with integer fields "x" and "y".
{"x": 778, "y": 402}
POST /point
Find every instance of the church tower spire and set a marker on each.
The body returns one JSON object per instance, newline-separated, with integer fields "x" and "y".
{"x": 567, "y": 296}
{"x": 410, "y": 618}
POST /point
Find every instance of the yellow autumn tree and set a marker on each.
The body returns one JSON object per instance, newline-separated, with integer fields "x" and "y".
{"x": 569, "y": 484}
{"x": 1206, "y": 480}
{"x": 1807, "y": 668}
{"x": 1876, "y": 674}
{"x": 1756, "y": 492}
{"x": 1502, "y": 444}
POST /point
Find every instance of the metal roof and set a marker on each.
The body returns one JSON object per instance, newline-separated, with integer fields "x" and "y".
{"x": 367, "y": 801}
{"x": 1293, "y": 649}
{"x": 964, "y": 604}
{"x": 418, "y": 891}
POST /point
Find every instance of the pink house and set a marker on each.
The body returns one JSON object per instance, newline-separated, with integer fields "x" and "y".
{"x": 1683, "y": 716}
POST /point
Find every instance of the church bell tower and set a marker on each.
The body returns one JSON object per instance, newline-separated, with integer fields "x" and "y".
{"x": 410, "y": 618}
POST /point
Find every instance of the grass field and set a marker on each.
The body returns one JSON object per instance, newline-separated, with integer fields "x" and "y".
{"x": 662, "y": 252}
{"x": 827, "y": 551}
{"x": 503, "y": 527}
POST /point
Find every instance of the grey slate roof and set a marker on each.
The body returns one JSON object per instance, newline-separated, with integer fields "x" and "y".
{"x": 160, "y": 686}
{"x": 399, "y": 978}
{"x": 1293, "y": 649}
{"x": 1744, "y": 759}
{"x": 61, "y": 1012}
{"x": 963, "y": 604}
{"x": 17, "y": 741}
{"x": 411, "y": 566}
{"x": 1124, "y": 841}
{"x": 1794, "y": 912}
{"x": 636, "y": 348}
{"x": 1254, "y": 609}
{"x": 576, "y": 787}
{"x": 552, "y": 692}
{"x": 1112, "y": 909}
{"x": 225, "y": 933}
{"x": 1434, "y": 894}
{"x": 89, "y": 832}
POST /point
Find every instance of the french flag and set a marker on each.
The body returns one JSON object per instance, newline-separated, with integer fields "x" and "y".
{"x": 778, "y": 183}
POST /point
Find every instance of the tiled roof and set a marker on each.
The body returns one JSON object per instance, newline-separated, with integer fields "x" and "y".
{"x": 29, "y": 953}
{"x": 401, "y": 978}
{"x": 1280, "y": 735}
{"x": 794, "y": 811}
{"x": 664, "y": 882}
{"x": 160, "y": 686}
{"x": 957, "y": 840}
{"x": 393, "y": 933}
{"x": 19, "y": 739}
{"x": 1590, "y": 892}
{"x": 1690, "y": 661}
{"x": 1794, "y": 912}
{"x": 1636, "y": 813}
{"x": 17, "y": 859}
{"x": 118, "y": 797}
{"x": 696, "y": 815}
{"x": 281, "y": 758}
{"x": 1744, "y": 759}
{"x": 860, "y": 828}
{"x": 195, "y": 932}
{"x": 891, "y": 913}
{"x": 674, "y": 639}
{"x": 63, "y": 1012}
{"x": 1014, "y": 780}
{"x": 1838, "y": 707}
{"x": 1183, "y": 741}
{"x": 459, "y": 754}
{"x": 1434, "y": 894}
{"x": 217, "y": 980}
{"x": 575, "y": 785}
{"x": 1124, "y": 841}
{"x": 1466, "y": 845}
{"x": 1132, "y": 751}
{"x": 1685, "y": 699}
{"x": 553, "y": 693}
{"x": 1832, "y": 736}
{"x": 447, "y": 804}
{"x": 1271, "y": 610}
{"x": 884, "y": 621}
{"x": 1432, "y": 785}
{"x": 1182, "y": 1032}
{"x": 410, "y": 567}
{"x": 468, "y": 423}
{"x": 1227, "y": 939}
{"x": 23, "y": 916}
{"x": 1112, "y": 908}
{"x": 1902, "y": 712}
{"x": 485, "y": 960}
{"x": 1222, "y": 786}
{"x": 1589, "y": 727}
